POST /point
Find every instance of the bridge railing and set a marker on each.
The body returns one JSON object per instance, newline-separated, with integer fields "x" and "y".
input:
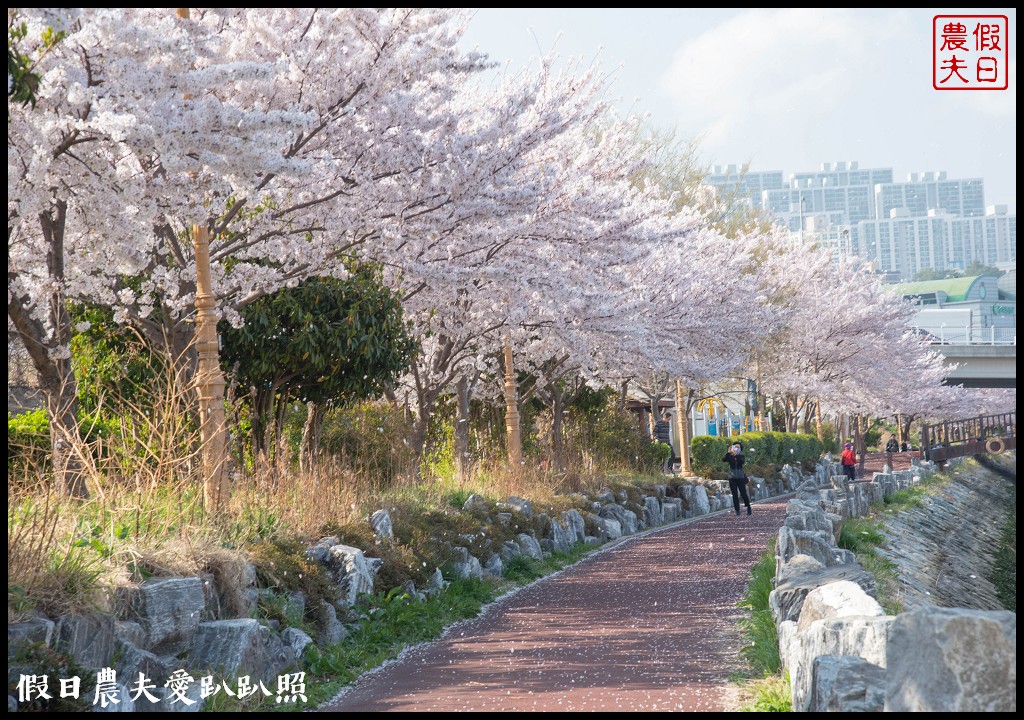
{"x": 970, "y": 436}
{"x": 968, "y": 335}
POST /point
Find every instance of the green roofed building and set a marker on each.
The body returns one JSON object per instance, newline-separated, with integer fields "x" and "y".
{"x": 966, "y": 309}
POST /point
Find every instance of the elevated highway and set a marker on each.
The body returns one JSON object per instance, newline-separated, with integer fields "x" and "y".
{"x": 980, "y": 365}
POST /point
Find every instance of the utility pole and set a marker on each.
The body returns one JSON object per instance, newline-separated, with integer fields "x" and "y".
{"x": 209, "y": 378}
{"x": 514, "y": 439}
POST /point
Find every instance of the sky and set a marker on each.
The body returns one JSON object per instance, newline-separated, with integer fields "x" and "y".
{"x": 783, "y": 89}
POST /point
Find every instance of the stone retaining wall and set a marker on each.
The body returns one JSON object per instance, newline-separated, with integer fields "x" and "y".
{"x": 843, "y": 653}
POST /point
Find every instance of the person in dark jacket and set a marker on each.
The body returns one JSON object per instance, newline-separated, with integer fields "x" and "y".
{"x": 737, "y": 476}
{"x": 663, "y": 434}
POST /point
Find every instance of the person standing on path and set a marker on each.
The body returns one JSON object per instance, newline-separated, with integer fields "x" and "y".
{"x": 891, "y": 448}
{"x": 737, "y": 476}
{"x": 849, "y": 460}
{"x": 663, "y": 434}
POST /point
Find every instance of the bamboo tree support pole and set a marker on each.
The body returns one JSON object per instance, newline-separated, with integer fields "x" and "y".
{"x": 682, "y": 431}
{"x": 514, "y": 439}
{"x": 210, "y": 379}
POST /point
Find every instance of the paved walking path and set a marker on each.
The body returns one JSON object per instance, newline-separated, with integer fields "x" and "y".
{"x": 648, "y": 624}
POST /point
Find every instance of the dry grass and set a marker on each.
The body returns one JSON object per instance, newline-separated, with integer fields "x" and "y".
{"x": 145, "y": 515}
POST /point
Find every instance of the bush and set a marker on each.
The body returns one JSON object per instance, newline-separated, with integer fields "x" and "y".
{"x": 28, "y": 438}
{"x": 762, "y": 449}
{"x": 706, "y": 452}
{"x": 611, "y": 438}
{"x": 371, "y": 437}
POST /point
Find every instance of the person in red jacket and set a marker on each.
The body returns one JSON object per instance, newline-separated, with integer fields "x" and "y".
{"x": 849, "y": 460}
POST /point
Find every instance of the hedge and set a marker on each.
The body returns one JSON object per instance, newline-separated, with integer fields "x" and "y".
{"x": 760, "y": 448}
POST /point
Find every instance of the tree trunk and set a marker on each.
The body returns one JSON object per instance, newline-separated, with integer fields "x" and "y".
{"x": 48, "y": 345}
{"x": 557, "y": 441}
{"x": 817, "y": 421}
{"x": 312, "y": 429}
{"x": 262, "y": 408}
{"x": 280, "y": 441}
{"x": 62, "y": 410}
{"x": 807, "y": 413}
{"x": 623, "y": 394}
{"x": 418, "y": 435}
{"x": 513, "y": 432}
{"x": 861, "y": 444}
{"x": 463, "y": 464}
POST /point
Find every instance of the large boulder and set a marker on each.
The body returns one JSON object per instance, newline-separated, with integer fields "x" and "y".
{"x": 672, "y": 509}
{"x": 574, "y": 520}
{"x": 653, "y": 516}
{"x": 862, "y": 637}
{"x": 819, "y": 544}
{"x": 696, "y": 497}
{"x": 787, "y": 599}
{"x": 37, "y": 631}
{"x": 465, "y": 565}
{"x": 529, "y": 546}
{"x": 169, "y": 611}
{"x": 843, "y": 683}
{"x": 626, "y": 518}
{"x": 353, "y": 571}
{"x": 803, "y": 515}
{"x": 562, "y": 537}
{"x": 520, "y": 505}
{"x": 233, "y": 648}
{"x": 952, "y": 660}
{"x": 836, "y": 619}
{"x": 89, "y": 639}
{"x": 380, "y": 521}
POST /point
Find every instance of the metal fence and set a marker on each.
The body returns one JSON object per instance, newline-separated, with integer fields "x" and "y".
{"x": 947, "y": 335}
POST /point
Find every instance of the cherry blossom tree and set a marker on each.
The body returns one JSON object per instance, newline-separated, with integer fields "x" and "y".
{"x": 107, "y": 147}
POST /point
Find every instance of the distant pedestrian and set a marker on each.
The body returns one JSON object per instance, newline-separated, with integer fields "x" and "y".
{"x": 663, "y": 434}
{"x": 891, "y": 447}
{"x": 737, "y": 476}
{"x": 849, "y": 460}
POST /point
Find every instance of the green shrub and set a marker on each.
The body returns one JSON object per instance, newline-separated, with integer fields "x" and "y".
{"x": 28, "y": 437}
{"x": 762, "y": 449}
{"x": 706, "y": 452}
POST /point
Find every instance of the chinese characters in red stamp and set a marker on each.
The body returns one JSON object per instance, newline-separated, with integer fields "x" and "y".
{"x": 970, "y": 52}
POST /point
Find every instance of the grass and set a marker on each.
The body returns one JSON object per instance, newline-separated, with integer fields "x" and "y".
{"x": 145, "y": 519}
{"x": 764, "y": 687}
{"x": 762, "y": 648}
{"x": 863, "y": 536}
{"x": 768, "y": 694}
{"x": 1004, "y": 566}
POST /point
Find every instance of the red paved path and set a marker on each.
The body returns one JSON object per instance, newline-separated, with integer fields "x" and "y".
{"x": 649, "y": 624}
{"x": 874, "y": 462}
